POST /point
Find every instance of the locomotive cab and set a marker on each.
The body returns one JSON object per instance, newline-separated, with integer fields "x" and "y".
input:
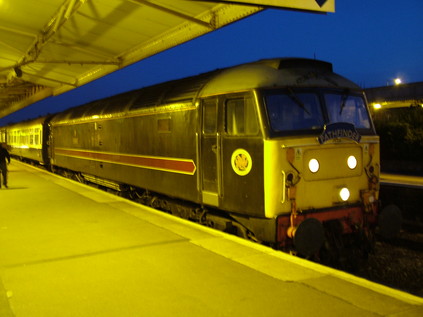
{"x": 298, "y": 149}
{"x": 323, "y": 144}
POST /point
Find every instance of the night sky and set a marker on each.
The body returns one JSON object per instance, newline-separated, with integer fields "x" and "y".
{"x": 369, "y": 41}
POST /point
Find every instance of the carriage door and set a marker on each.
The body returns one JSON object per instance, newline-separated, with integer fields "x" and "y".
{"x": 210, "y": 152}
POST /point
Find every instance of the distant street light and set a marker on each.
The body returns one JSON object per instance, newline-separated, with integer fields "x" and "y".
{"x": 397, "y": 81}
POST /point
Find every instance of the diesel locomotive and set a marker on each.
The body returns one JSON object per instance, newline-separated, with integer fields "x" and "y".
{"x": 281, "y": 151}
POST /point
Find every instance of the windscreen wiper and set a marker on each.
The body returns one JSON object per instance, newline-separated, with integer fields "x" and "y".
{"x": 344, "y": 100}
{"x": 298, "y": 101}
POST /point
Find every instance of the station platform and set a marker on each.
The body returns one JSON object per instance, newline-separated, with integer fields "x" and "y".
{"x": 70, "y": 250}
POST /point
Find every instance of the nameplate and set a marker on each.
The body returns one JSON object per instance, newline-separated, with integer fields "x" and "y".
{"x": 339, "y": 130}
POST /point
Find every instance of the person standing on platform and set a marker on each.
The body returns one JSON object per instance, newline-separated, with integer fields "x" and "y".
{"x": 4, "y": 154}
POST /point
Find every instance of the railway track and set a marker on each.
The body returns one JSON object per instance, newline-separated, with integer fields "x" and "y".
{"x": 398, "y": 262}
{"x": 406, "y": 243}
{"x": 407, "y": 193}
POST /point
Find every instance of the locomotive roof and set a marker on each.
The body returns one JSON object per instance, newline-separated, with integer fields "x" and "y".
{"x": 279, "y": 72}
{"x": 268, "y": 73}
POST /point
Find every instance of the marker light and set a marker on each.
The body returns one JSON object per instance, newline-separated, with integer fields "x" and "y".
{"x": 313, "y": 165}
{"x": 352, "y": 162}
{"x": 344, "y": 193}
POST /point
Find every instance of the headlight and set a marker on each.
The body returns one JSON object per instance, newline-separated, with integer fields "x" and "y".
{"x": 313, "y": 165}
{"x": 344, "y": 194}
{"x": 352, "y": 162}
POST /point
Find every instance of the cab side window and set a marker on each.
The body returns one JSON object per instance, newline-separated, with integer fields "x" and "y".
{"x": 210, "y": 116}
{"x": 241, "y": 118}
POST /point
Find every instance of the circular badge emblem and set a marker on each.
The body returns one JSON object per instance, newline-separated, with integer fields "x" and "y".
{"x": 241, "y": 162}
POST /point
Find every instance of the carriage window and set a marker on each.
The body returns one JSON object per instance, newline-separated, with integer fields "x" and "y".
{"x": 292, "y": 111}
{"x": 37, "y": 137}
{"x": 241, "y": 118}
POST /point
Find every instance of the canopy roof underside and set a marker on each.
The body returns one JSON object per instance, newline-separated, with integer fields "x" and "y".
{"x": 48, "y": 47}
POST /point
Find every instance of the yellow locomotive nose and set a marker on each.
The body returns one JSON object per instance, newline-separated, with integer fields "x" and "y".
{"x": 342, "y": 161}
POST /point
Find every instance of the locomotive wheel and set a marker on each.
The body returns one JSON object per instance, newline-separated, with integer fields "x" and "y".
{"x": 309, "y": 237}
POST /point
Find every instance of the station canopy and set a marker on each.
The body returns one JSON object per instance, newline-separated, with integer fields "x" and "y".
{"x": 48, "y": 47}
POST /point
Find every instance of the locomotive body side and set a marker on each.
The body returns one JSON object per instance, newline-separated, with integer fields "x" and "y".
{"x": 179, "y": 150}
{"x": 150, "y": 148}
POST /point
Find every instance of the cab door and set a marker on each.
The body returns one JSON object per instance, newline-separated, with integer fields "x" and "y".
{"x": 210, "y": 153}
{"x": 242, "y": 157}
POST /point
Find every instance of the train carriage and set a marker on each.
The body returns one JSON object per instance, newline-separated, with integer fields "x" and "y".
{"x": 26, "y": 140}
{"x": 282, "y": 151}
